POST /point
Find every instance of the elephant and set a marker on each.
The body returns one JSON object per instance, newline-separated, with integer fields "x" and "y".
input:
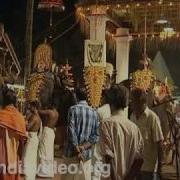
{"x": 53, "y": 92}
{"x": 63, "y": 99}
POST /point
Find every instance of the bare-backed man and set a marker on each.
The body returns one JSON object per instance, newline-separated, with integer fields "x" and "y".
{"x": 50, "y": 117}
{"x": 31, "y": 148}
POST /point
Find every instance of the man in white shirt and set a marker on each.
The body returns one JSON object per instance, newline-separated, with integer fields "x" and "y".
{"x": 149, "y": 125}
{"x": 120, "y": 140}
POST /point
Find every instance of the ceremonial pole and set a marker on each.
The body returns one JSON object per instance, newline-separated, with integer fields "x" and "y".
{"x": 28, "y": 45}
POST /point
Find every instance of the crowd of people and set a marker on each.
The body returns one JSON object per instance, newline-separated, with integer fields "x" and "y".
{"x": 100, "y": 143}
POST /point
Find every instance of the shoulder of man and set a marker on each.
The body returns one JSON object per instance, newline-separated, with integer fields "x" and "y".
{"x": 130, "y": 125}
{"x": 152, "y": 115}
{"x": 73, "y": 107}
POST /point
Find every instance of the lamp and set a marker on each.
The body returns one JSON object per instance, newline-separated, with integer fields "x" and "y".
{"x": 168, "y": 31}
{"x": 162, "y": 20}
{"x": 51, "y": 5}
{"x": 168, "y": 28}
{"x": 48, "y": 4}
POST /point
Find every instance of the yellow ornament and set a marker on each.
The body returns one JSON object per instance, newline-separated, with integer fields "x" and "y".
{"x": 94, "y": 77}
{"x": 142, "y": 79}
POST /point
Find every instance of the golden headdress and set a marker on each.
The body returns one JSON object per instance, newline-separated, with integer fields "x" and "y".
{"x": 43, "y": 56}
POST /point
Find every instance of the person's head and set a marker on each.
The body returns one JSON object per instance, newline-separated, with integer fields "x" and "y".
{"x": 81, "y": 94}
{"x": 9, "y": 97}
{"x": 34, "y": 105}
{"x": 144, "y": 63}
{"x": 109, "y": 74}
{"x": 138, "y": 100}
{"x": 117, "y": 97}
{"x": 103, "y": 98}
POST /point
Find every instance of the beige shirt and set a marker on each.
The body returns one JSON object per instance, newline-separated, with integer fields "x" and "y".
{"x": 120, "y": 139}
{"x": 104, "y": 112}
{"x": 149, "y": 125}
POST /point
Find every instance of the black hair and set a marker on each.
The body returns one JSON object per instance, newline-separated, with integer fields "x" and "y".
{"x": 81, "y": 94}
{"x": 9, "y": 97}
{"x": 34, "y": 104}
{"x": 118, "y": 96}
{"x": 139, "y": 95}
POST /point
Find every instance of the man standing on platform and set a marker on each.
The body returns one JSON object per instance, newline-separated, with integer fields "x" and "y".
{"x": 149, "y": 125}
{"x": 12, "y": 136}
{"x": 83, "y": 125}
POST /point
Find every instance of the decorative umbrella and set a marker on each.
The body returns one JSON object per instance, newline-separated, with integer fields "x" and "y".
{"x": 49, "y": 4}
{"x": 52, "y": 6}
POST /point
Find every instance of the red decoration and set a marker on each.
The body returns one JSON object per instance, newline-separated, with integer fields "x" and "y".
{"x": 48, "y": 4}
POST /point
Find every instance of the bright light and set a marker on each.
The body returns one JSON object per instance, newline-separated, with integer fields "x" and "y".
{"x": 170, "y": 3}
{"x": 162, "y": 21}
{"x": 168, "y": 29}
{"x": 167, "y": 32}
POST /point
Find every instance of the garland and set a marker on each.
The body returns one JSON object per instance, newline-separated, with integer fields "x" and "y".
{"x": 34, "y": 86}
{"x": 94, "y": 77}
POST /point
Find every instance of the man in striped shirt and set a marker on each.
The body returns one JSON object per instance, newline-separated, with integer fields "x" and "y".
{"x": 83, "y": 125}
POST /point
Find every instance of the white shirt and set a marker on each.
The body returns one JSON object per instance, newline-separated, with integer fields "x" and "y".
{"x": 122, "y": 140}
{"x": 149, "y": 125}
{"x": 104, "y": 112}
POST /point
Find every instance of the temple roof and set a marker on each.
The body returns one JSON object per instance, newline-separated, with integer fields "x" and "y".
{"x": 132, "y": 13}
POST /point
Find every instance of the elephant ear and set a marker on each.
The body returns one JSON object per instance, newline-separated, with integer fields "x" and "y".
{"x": 46, "y": 92}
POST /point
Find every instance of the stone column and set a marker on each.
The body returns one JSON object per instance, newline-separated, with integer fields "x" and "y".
{"x": 98, "y": 27}
{"x": 122, "y": 54}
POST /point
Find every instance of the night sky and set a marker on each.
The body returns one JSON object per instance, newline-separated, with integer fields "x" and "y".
{"x": 70, "y": 46}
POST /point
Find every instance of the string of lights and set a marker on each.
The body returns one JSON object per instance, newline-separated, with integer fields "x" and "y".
{"x": 160, "y": 14}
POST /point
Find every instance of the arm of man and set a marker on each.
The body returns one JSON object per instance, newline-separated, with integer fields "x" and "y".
{"x": 135, "y": 168}
{"x": 44, "y": 112}
{"x": 106, "y": 146}
{"x": 21, "y": 149}
{"x": 138, "y": 160}
{"x": 158, "y": 138}
{"x": 160, "y": 152}
{"x": 31, "y": 123}
{"x": 94, "y": 137}
{"x": 71, "y": 129}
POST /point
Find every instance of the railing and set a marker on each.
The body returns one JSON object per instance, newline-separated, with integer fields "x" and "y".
{"x": 4, "y": 38}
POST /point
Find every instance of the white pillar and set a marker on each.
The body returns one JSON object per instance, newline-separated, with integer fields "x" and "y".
{"x": 122, "y": 54}
{"x": 98, "y": 27}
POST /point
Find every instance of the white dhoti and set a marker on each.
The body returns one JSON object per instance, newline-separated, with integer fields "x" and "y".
{"x": 30, "y": 156}
{"x": 75, "y": 170}
{"x": 46, "y": 153}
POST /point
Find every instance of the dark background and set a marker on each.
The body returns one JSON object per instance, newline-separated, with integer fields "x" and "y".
{"x": 70, "y": 46}
{"x": 13, "y": 16}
